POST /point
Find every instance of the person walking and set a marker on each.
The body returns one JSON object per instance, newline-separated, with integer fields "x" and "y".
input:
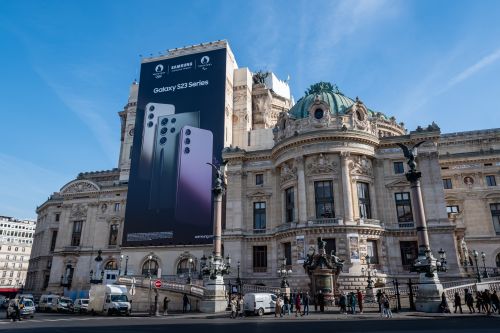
{"x": 342, "y": 303}
{"x": 379, "y": 295}
{"x": 279, "y": 305}
{"x": 353, "y": 302}
{"x": 457, "y": 302}
{"x": 233, "y": 308}
{"x": 479, "y": 302}
{"x": 469, "y": 300}
{"x": 387, "y": 307}
{"x": 292, "y": 301}
{"x": 17, "y": 310}
{"x": 495, "y": 302}
{"x": 297, "y": 305}
{"x": 360, "y": 300}
{"x": 321, "y": 300}
{"x": 286, "y": 306}
{"x": 306, "y": 299}
{"x": 241, "y": 306}
{"x": 185, "y": 303}
{"x": 165, "y": 305}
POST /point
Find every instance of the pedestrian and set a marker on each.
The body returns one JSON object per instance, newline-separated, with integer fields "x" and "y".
{"x": 379, "y": 295}
{"x": 286, "y": 306}
{"x": 342, "y": 303}
{"x": 321, "y": 301}
{"x": 353, "y": 302}
{"x": 349, "y": 303}
{"x": 360, "y": 300}
{"x": 387, "y": 307}
{"x": 241, "y": 304}
{"x": 458, "y": 303}
{"x": 305, "y": 300}
{"x": 185, "y": 303}
{"x": 443, "y": 307}
{"x": 17, "y": 310}
{"x": 469, "y": 300}
{"x": 479, "y": 302}
{"x": 292, "y": 301}
{"x": 277, "y": 309}
{"x": 487, "y": 301}
{"x": 165, "y": 305}
{"x": 297, "y": 305}
{"x": 233, "y": 308}
{"x": 495, "y": 302}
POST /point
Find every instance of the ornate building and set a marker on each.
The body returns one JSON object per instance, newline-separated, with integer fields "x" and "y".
{"x": 326, "y": 166}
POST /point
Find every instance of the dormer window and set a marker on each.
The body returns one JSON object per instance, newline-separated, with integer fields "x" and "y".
{"x": 319, "y": 113}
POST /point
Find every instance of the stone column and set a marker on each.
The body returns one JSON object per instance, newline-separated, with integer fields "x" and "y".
{"x": 346, "y": 186}
{"x": 301, "y": 190}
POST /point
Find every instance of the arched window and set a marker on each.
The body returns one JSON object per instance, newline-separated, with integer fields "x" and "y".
{"x": 183, "y": 266}
{"x": 111, "y": 266}
{"x": 150, "y": 266}
{"x": 113, "y": 234}
{"x": 497, "y": 259}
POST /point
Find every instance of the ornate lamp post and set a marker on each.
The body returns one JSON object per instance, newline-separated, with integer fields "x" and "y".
{"x": 150, "y": 258}
{"x": 430, "y": 289}
{"x": 369, "y": 272}
{"x": 126, "y": 265}
{"x": 284, "y": 273}
{"x": 238, "y": 280}
{"x": 485, "y": 272}
{"x": 475, "y": 255}
{"x": 97, "y": 276}
{"x": 120, "y": 267}
{"x": 190, "y": 262}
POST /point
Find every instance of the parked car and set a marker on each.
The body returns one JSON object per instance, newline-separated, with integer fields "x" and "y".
{"x": 259, "y": 303}
{"x": 4, "y": 302}
{"x": 81, "y": 305}
{"x": 26, "y": 305}
{"x": 63, "y": 305}
{"x": 109, "y": 299}
{"x": 46, "y": 302}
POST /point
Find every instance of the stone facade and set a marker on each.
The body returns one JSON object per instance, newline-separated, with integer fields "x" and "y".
{"x": 282, "y": 158}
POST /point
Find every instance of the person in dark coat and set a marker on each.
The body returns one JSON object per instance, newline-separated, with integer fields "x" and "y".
{"x": 469, "y": 300}
{"x": 165, "y": 305}
{"x": 458, "y": 303}
{"x": 306, "y": 299}
{"x": 185, "y": 303}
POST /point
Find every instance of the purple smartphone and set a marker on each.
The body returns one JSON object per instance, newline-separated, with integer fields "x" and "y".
{"x": 194, "y": 180}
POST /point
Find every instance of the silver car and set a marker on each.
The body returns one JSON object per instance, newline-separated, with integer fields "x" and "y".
{"x": 81, "y": 305}
{"x": 27, "y": 308}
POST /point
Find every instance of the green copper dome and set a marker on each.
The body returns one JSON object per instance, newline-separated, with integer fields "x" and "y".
{"x": 326, "y": 92}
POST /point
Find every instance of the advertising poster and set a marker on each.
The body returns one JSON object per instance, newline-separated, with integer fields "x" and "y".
{"x": 301, "y": 249}
{"x": 354, "y": 247}
{"x": 179, "y": 128}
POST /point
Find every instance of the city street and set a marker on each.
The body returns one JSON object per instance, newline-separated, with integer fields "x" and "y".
{"x": 194, "y": 322}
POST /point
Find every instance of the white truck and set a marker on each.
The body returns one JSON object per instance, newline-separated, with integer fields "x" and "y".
{"x": 259, "y": 303}
{"x": 108, "y": 299}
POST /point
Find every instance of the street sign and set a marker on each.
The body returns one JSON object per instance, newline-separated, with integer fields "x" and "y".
{"x": 158, "y": 284}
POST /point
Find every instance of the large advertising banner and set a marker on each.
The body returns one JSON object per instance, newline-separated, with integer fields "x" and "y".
{"x": 179, "y": 128}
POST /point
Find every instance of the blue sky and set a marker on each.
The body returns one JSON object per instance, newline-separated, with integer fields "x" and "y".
{"x": 66, "y": 67}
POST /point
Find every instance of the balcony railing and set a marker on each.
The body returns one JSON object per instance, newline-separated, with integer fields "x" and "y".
{"x": 325, "y": 221}
{"x": 406, "y": 225}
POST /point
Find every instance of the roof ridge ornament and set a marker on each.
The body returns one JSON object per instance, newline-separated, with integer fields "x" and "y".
{"x": 321, "y": 87}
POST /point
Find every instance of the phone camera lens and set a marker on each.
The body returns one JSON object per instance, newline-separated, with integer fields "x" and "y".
{"x": 187, "y": 141}
{"x": 188, "y": 131}
{"x": 163, "y": 130}
{"x": 152, "y": 108}
{"x": 172, "y": 130}
{"x": 151, "y": 116}
{"x": 163, "y": 140}
{"x": 186, "y": 150}
{"x": 164, "y": 121}
{"x": 150, "y": 124}
{"x": 174, "y": 120}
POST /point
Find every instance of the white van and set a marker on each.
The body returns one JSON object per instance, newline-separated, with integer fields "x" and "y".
{"x": 108, "y": 299}
{"x": 259, "y": 303}
{"x": 47, "y": 302}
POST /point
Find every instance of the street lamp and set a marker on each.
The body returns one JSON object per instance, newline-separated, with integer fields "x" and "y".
{"x": 485, "y": 272}
{"x": 283, "y": 273}
{"x": 120, "y": 268}
{"x": 441, "y": 264}
{"x": 150, "y": 258}
{"x": 475, "y": 255}
{"x": 126, "y": 264}
{"x": 190, "y": 262}
{"x": 238, "y": 279}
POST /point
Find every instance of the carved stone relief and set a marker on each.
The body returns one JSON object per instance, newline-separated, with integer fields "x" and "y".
{"x": 321, "y": 164}
{"x": 360, "y": 165}
{"x": 288, "y": 172}
{"x": 80, "y": 186}
{"x": 79, "y": 211}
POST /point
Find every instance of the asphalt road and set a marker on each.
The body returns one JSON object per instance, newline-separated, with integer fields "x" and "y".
{"x": 406, "y": 322}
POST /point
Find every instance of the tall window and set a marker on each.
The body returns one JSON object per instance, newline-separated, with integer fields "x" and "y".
{"x": 364, "y": 201}
{"x": 52, "y": 241}
{"x": 497, "y": 260}
{"x": 409, "y": 251}
{"x": 403, "y": 207}
{"x": 447, "y": 183}
{"x": 260, "y": 258}
{"x": 330, "y": 245}
{"x": 289, "y": 204}
{"x": 183, "y": 266}
{"x": 111, "y": 265}
{"x": 399, "y": 167}
{"x": 371, "y": 250}
{"x": 287, "y": 250}
{"x": 259, "y": 215}
{"x": 150, "y": 266}
{"x": 113, "y": 234}
{"x": 491, "y": 181}
{"x": 117, "y": 207}
{"x": 77, "y": 233}
{"x": 452, "y": 209}
{"x": 495, "y": 215}
{"x": 324, "y": 199}
{"x": 58, "y": 216}
{"x": 259, "y": 179}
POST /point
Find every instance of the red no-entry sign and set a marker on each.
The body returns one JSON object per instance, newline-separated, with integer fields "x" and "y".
{"x": 158, "y": 284}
